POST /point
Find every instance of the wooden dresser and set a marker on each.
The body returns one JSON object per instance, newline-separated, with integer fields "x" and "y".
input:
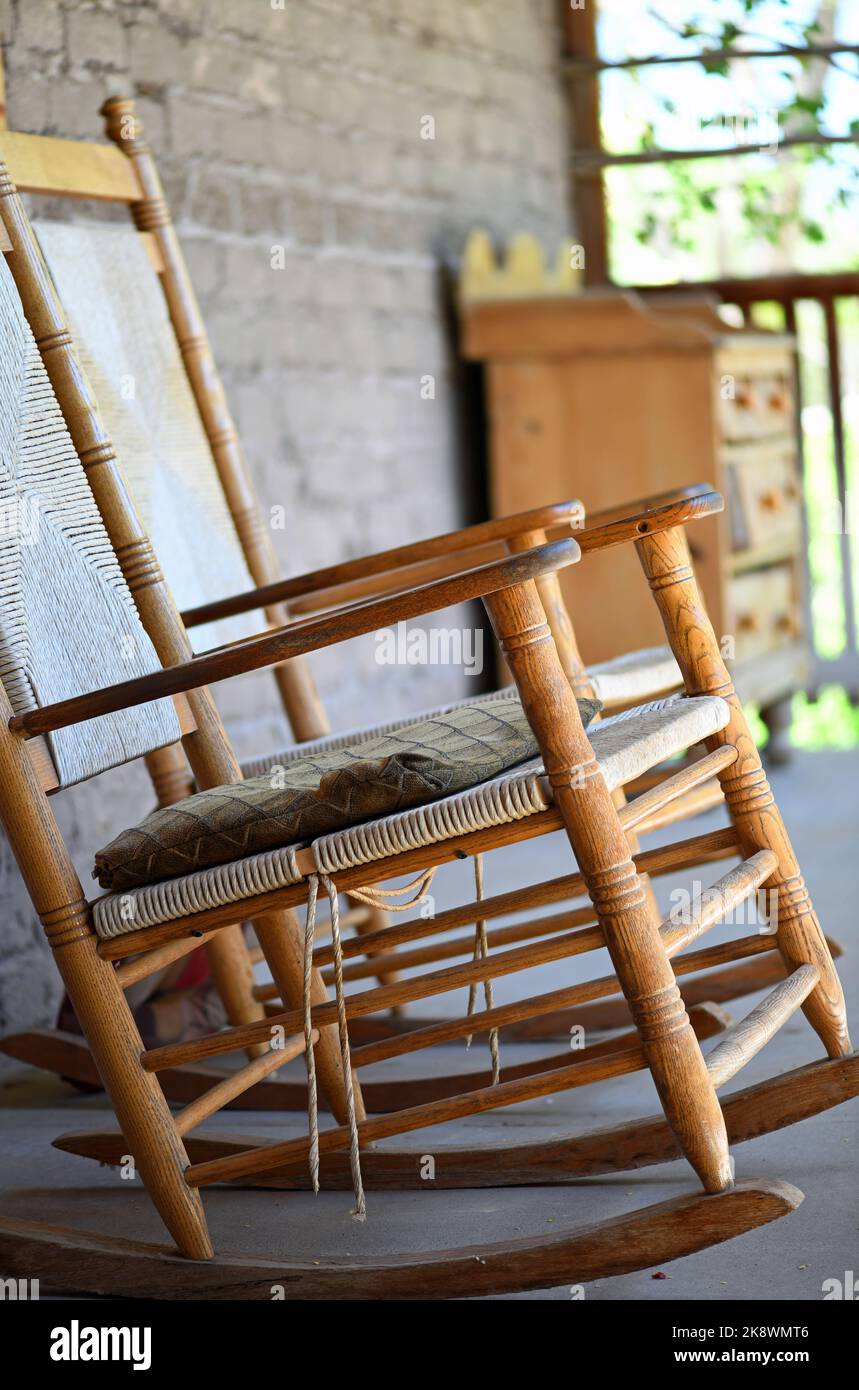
{"x": 605, "y": 396}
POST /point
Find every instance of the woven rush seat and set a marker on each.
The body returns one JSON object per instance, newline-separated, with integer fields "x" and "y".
{"x": 638, "y": 675}
{"x": 625, "y": 679}
{"x": 625, "y": 746}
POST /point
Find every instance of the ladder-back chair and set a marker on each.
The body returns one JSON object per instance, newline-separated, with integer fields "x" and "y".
{"x": 55, "y": 441}
{"x": 106, "y": 279}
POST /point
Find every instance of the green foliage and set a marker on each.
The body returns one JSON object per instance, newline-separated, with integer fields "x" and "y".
{"x": 830, "y": 722}
{"x": 766, "y": 199}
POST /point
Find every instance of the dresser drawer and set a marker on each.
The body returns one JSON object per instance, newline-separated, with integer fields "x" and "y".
{"x": 764, "y": 612}
{"x": 753, "y": 405}
{"x": 764, "y": 496}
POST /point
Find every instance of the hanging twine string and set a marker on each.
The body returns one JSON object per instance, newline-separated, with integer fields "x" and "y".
{"x": 383, "y": 897}
{"x": 309, "y": 1058}
{"x": 360, "y": 1209}
{"x": 481, "y": 952}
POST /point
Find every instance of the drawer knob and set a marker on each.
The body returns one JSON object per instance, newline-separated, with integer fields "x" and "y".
{"x": 772, "y": 500}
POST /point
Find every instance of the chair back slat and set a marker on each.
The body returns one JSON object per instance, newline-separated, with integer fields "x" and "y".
{"x": 68, "y": 623}
{"x": 68, "y": 168}
{"x": 119, "y": 321}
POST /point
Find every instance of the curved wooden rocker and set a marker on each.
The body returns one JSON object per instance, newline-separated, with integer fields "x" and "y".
{"x": 127, "y": 175}
{"x": 63, "y": 1259}
{"x": 763, "y": 1108}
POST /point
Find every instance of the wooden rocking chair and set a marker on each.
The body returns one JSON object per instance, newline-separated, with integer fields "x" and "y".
{"x": 43, "y": 669}
{"x": 236, "y": 549}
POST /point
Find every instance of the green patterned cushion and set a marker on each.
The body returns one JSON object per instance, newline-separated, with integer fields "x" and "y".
{"x": 325, "y": 791}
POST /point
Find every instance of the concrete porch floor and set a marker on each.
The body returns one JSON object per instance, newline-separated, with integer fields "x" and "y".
{"x": 786, "y": 1261}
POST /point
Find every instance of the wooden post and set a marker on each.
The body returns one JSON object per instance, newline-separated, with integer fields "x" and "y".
{"x": 601, "y": 849}
{"x": 549, "y": 590}
{"x": 304, "y": 708}
{"x": 564, "y": 637}
{"x": 667, "y": 563}
{"x": 96, "y": 995}
{"x": 151, "y": 214}
{"x": 586, "y": 138}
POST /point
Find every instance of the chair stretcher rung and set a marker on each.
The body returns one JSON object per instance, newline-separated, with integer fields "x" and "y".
{"x": 699, "y": 849}
{"x": 528, "y": 930}
{"x": 715, "y": 903}
{"x": 241, "y": 1080}
{"x": 711, "y": 907}
{"x": 655, "y": 799}
{"x": 745, "y": 1040}
{"x": 142, "y": 966}
{"x": 449, "y": 1029}
{"x": 416, "y": 1117}
{"x": 705, "y": 797}
{"x": 371, "y": 1001}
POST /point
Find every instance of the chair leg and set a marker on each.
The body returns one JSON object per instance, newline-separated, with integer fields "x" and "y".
{"x": 96, "y": 995}
{"x": 141, "y": 1109}
{"x": 226, "y": 952}
{"x": 601, "y": 848}
{"x": 666, "y": 562}
{"x": 567, "y": 648}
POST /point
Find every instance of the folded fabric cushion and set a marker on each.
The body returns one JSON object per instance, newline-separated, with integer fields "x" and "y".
{"x": 325, "y": 792}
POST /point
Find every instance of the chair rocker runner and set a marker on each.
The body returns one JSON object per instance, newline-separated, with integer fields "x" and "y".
{"x": 91, "y": 728}
{"x": 214, "y": 455}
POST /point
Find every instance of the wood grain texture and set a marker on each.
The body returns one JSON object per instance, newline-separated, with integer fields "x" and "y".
{"x": 207, "y": 748}
{"x": 667, "y": 564}
{"x": 69, "y": 1056}
{"x": 629, "y": 925}
{"x": 58, "y": 898}
{"x": 152, "y": 216}
{"x": 68, "y": 168}
{"x": 63, "y": 1259}
{"x": 563, "y": 516}
{"x": 746, "y": 1038}
{"x": 763, "y": 1108}
{"x": 191, "y": 674}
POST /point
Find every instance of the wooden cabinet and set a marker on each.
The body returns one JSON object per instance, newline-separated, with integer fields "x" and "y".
{"x": 604, "y": 396}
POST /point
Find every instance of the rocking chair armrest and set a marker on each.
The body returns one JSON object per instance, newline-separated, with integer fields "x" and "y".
{"x": 302, "y": 637}
{"x": 683, "y": 506}
{"x": 340, "y": 583}
{"x": 621, "y": 510}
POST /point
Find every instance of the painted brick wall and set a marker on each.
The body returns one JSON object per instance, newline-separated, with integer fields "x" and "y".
{"x": 300, "y": 126}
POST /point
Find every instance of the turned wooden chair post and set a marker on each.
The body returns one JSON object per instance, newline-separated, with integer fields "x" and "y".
{"x": 96, "y": 995}
{"x": 631, "y": 929}
{"x": 570, "y": 657}
{"x": 171, "y": 776}
{"x": 549, "y": 590}
{"x": 667, "y": 564}
{"x": 206, "y": 746}
{"x": 303, "y": 706}
{"x": 152, "y": 214}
